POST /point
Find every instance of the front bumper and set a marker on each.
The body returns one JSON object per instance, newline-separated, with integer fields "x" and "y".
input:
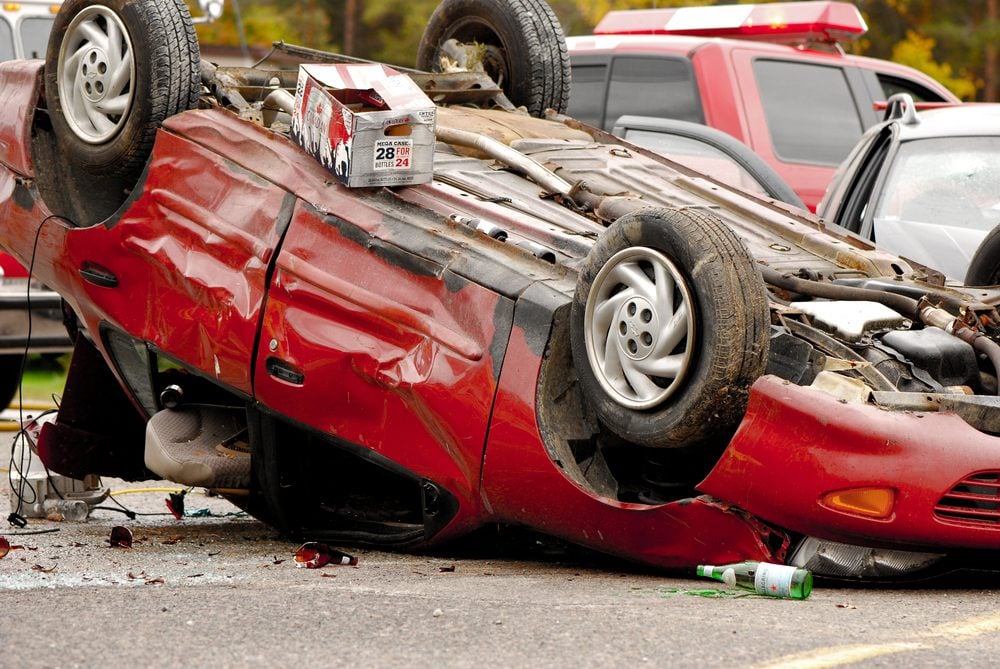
{"x": 36, "y": 312}
{"x": 797, "y": 444}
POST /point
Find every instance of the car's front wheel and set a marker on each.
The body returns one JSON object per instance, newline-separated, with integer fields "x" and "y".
{"x": 669, "y": 328}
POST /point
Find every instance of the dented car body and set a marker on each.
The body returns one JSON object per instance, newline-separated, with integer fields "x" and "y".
{"x": 560, "y": 330}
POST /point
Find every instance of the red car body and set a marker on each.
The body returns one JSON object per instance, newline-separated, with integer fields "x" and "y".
{"x": 366, "y": 321}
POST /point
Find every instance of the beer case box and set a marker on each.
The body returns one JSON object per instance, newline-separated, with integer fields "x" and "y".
{"x": 367, "y": 124}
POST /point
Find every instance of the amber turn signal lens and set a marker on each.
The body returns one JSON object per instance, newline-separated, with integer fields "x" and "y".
{"x": 868, "y": 502}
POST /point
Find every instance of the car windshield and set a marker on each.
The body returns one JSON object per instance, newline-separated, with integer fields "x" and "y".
{"x": 939, "y": 201}
{"x": 697, "y": 155}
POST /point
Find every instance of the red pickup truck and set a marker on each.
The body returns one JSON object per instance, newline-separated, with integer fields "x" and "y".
{"x": 772, "y": 75}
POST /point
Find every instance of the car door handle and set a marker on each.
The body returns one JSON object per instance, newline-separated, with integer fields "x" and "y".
{"x": 284, "y": 371}
{"x": 98, "y": 275}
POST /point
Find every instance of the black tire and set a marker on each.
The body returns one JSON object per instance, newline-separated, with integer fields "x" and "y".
{"x": 10, "y": 377}
{"x": 725, "y": 342}
{"x": 526, "y": 49}
{"x": 158, "y": 42}
{"x": 984, "y": 270}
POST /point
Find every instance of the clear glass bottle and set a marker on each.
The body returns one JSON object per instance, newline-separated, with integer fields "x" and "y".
{"x": 764, "y": 578}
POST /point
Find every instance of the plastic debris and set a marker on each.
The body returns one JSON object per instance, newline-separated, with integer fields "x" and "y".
{"x": 175, "y": 504}
{"x": 121, "y": 537}
{"x": 313, "y": 555}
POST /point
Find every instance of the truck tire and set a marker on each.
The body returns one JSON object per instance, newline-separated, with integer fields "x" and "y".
{"x": 984, "y": 270}
{"x": 523, "y": 47}
{"x": 669, "y": 328}
{"x": 114, "y": 70}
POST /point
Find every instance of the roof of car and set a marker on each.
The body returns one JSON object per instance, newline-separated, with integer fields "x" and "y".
{"x": 965, "y": 120}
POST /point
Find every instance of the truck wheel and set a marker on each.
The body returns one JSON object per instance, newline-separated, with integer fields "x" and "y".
{"x": 984, "y": 270}
{"x": 114, "y": 70}
{"x": 520, "y": 43}
{"x": 10, "y": 378}
{"x": 669, "y": 328}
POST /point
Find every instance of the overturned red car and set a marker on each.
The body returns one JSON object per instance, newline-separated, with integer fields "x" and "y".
{"x": 555, "y": 329}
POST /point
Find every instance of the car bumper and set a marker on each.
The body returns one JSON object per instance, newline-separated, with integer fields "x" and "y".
{"x": 796, "y": 445}
{"x": 37, "y": 313}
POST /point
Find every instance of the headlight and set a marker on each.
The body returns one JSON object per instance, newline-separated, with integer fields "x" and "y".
{"x": 829, "y": 558}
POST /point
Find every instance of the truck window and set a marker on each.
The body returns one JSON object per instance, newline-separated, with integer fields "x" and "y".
{"x": 35, "y": 35}
{"x": 810, "y": 111}
{"x": 892, "y": 85}
{"x": 586, "y": 100}
{"x": 652, "y": 86}
{"x": 6, "y": 41}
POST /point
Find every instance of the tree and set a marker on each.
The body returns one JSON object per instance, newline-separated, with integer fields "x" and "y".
{"x": 960, "y": 51}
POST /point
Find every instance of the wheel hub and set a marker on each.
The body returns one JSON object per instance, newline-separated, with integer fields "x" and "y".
{"x": 94, "y": 74}
{"x": 637, "y": 328}
{"x": 96, "y": 71}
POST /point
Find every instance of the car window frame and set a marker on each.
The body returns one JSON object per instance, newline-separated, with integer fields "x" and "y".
{"x": 608, "y": 60}
{"x": 593, "y": 60}
{"x": 858, "y": 90}
{"x": 867, "y": 168}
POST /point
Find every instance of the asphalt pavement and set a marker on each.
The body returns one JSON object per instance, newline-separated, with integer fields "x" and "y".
{"x": 220, "y": 589}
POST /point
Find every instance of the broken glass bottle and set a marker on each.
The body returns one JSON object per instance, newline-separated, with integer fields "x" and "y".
{"x": 763, "y": 578}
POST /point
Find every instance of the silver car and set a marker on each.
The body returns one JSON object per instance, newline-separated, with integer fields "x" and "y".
{"x": 924, "y": 185}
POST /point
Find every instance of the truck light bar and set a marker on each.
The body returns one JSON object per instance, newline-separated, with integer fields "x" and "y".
{"x": 786, "y": 23}
{"x": 53, "y": 6}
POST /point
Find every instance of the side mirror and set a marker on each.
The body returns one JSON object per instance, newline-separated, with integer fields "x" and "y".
{"x": 211, "y": 10}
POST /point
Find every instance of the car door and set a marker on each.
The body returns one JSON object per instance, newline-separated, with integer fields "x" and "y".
{"x": 370, "y": 338}
{"x": 183, "y": 268}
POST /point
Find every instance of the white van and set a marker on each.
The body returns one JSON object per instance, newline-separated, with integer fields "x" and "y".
{"x": 25, "y": 27}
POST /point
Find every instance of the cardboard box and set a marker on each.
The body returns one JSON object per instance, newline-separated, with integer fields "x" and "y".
{"x": 368, "y": 124}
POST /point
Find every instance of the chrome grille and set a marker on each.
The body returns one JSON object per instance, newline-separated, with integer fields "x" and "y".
{"x": 974, "y": 499}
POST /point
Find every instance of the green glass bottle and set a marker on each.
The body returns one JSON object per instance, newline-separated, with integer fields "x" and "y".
{"x": 764, "y": 578}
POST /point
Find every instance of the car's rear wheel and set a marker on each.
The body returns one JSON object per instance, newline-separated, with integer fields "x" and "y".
{"x": 669, "y": 328}
{"x": 114, "y": 71}
{"x": 520, "y": 43}
{"x": 984, "y": 270}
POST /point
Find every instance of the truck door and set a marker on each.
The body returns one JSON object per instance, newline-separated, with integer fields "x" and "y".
{"x": 803, "y": 116}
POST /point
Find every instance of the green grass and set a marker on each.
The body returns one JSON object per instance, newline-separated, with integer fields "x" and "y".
{"x": 44, "y": 377}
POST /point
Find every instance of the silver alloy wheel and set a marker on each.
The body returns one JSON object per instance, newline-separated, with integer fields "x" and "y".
{"x": 96, "y": 74}
{"x": 639, "y": 327}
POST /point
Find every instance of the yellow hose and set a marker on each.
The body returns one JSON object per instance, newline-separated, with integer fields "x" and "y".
{"x": 220, "y": 491}
{"x": 32, "y": 406}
